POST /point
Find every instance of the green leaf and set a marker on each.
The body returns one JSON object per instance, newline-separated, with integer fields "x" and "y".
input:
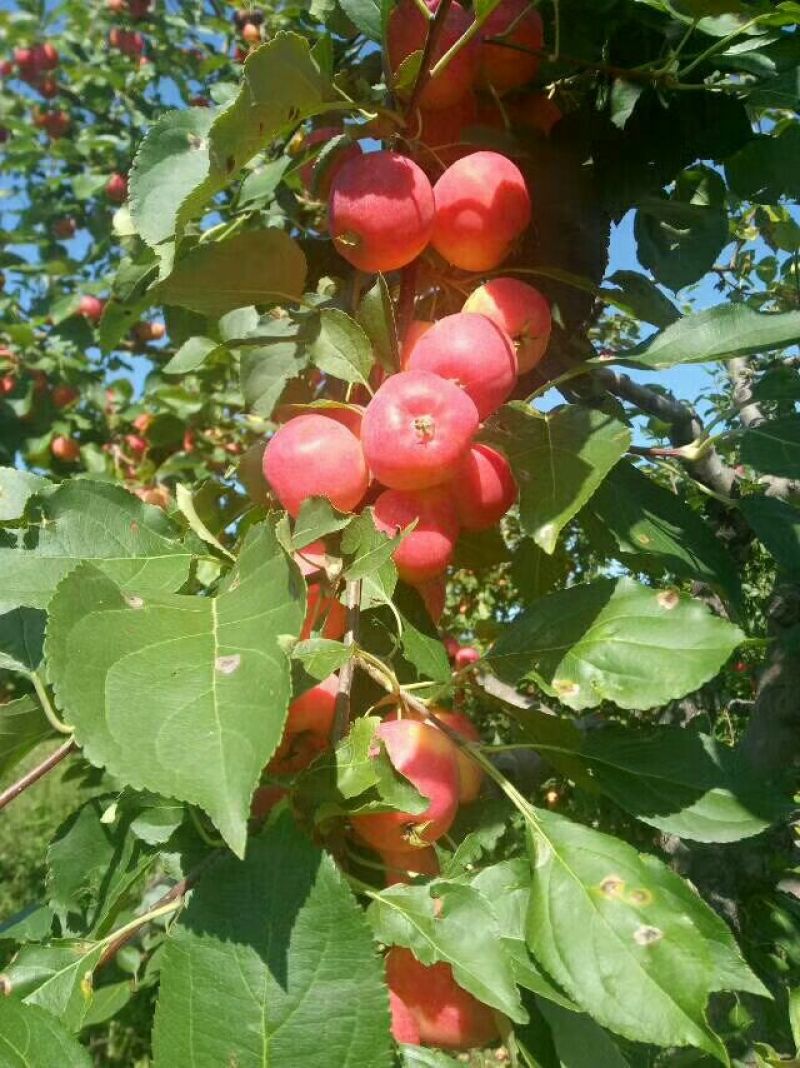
{"x": 92, "y": 865}
{"x": 418, "y": 1057}
{"x": 765, "y": 169}
{"x": 189, "y": 156}
{"x": 191, "y": 355}
{"x": 21, "y": 639}
{"x": 535, "y": 572}
{"x": 777, "y": 526}
{"x": 679, "y": 236}
{"x": 365, "y": 548}
{"x": 614, "y": 641}
{"x": 32, "y": 1038}
{"x": 579, "y": 1042}
{"x": 341, "y": 348}
{"x": 54, "y": 977}
{"x": 16, "y": 489}
{"x": 265, "y": 370}
{"x": 660, "y": 531}
{"x": 131, "y": 542}
{"x": 367, "y": 16}
{"x": 680, "y": 782}
{"x": 317, "y": 518}
{"x": 376, "y": 317}
{"x": 558, "y": 459}
{"x": 718, "y": 333}
{"x": 320, "y": 657}
{"x": 626, "y": 937}
{"x": 644, "y": 298}
{"x": 774, "y": 447}
{"x": 23, "y": 726}
{"x": 260, "y": 185}
{"x": 256, "y": 267}
{"x": 249, "y": 985}
{"x": 448, "y": 922}
{"x": 211, "y": 680}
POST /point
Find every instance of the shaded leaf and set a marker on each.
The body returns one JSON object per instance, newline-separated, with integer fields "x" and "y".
{"x": 777, "y": 526}
{"x": 774, "y": 447}
{"x": 21, "y": 639}
{"x": 341, "y": 348}
{"x": 32, "y": 1038}
{"x": 23, "y": 726}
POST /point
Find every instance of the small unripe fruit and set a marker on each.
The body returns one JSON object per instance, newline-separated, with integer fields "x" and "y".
{"x": 424, "y": 756}
{"x": 429, "y": 1008}
{"x": 425, "y": 553}
{"x": 64, "y": 228}
{"x": 482, "y": 207}
{"x": 466, "y": 657}
{"x": 117, "y": 188}
{"x": 46, "y": 56}
{"x": 485, "y": 488}
{"x": 54, "y": 123}
{"x": 519, "y": 309}
{"x": 251, "y": 33}
{"x": 136, "y": 444}
{"x": 25, "y": 61}
{"x": 380, "y": 213}
{"x": 473, "y": 352}
{"x": 312, "y": 456}
{"x": 63, "y": 396}
{"x": 145, "y": 332}
{"x": 406, "y": 34}
{"x": 508, "y": 68}
{"x": 65, "y": 449}
{"x": 91, "y": 307}
{"x": 416, "y": 430}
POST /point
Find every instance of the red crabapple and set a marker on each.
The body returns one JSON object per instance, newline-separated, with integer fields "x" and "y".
{"x": 434, "y": 595}
{"x": 416, "y": 430}
{"x": 312, "y": 456}
{"x": 426, "y": 552}
{"x": 470, "y": 773}
{"x": 416, "y": 328}
{"x": 484, "y": 488}
{"x": 327, "y": 611}
{"x": 429, "y": 1008}
{"x": 91, "y": 307}
{"x": 474, "y": 353}
{"x": 519, "y": 309}
{"x": 308, "y": 728}
{"x": 402, "y": 867}
{"x": 117, "y": 188}
{"x": 482, "y": 207}
{"x": 65, "y": 449}
{"x": 508, "y": 68}
{"x": 465, "y": 657}
{"x": 424, "y": 756}
{"x": 380, "y": 212}
{"x": 63, "y": 396}
{"x": 406, "y": 34}
{"x": 537, "y": 111}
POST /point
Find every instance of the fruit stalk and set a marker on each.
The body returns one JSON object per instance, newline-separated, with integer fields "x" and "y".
{"x": 342, "y": 716}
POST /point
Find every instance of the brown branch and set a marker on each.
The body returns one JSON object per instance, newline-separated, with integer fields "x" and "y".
{"x": 740, "y": 373}
{"x": 646, "y": 77}
{"x": 435, "y": 30}
{"x": 47, "y": 765}
{"x": 342, "y": 715}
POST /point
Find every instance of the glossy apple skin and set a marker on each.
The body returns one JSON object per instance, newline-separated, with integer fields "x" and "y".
{"x": 521, "y": 311}
{"x": 470, "y": 774}
{"x": 466, "y": 656}
{"x": 117, "y": 188}
{"x": 380, "y": 211}
{"x": 485, "y": 488}
{"x": 91, "y": 307}
{"x": 406, "y": 34}
{"x": 426, "y": 552}
{"x": 441, "y": 134}
{"x": 509, "y": 68}
{"x": 416, "y": 329}
{"x": 312, "y": 456}
{"x": 402, "y": 867}
{"x": 429, "y": 1008}
{"x": 327, "y": 611}
{"x": 427, "y": 759}
{"x": 416, "y": 430}
{"x": 482, "y": 207}
{"x": 474, "y": 353}
{"x": 308, "y": 728}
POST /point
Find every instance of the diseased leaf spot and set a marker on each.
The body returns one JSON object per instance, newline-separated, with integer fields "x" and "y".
{"x": 643, "y": 539}
{"x": 226, "y": 665}
{"x": 566, "y": 687}
{"x": 668, "y": 599}
{"x": 640, "y": 898}
{"x": 230, "y": 163}
{"x": 612, "y": 886}
{"x": 134, "y": 527}
{"x": 647, "y": 936}
{"x": 5, "y": 986}
{"x": 134, "y": 602}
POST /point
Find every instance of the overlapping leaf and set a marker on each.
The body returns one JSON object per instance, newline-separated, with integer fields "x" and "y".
{"x": 614, "y": 641}
{"x": 288, "y": 976}
{"x": 32, "y": 1038}
{"x": 210, "y": 678}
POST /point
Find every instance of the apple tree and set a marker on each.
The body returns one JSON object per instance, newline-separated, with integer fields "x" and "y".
{"x": 426, "y": 669}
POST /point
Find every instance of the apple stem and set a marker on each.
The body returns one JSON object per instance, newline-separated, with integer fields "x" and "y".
{"x": 47, "y": 707}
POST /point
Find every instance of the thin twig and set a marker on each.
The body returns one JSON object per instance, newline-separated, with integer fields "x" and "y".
{"x": 47, "y": 765}
{"x": 435, "y": 29}
{"x": 341, "y": 719}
